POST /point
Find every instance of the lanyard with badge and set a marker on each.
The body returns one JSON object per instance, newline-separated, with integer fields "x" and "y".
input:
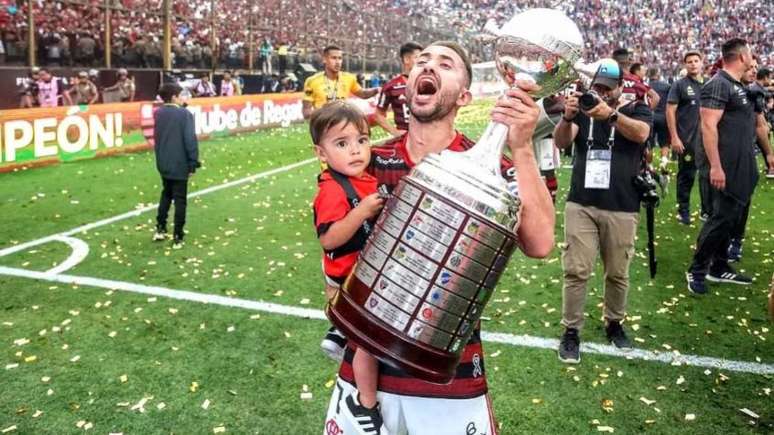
{"x": 598, "y": 161}
{"x": 332, "y": 90}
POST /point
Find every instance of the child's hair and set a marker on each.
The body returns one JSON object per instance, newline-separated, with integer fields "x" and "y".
{"x": 334, "y": 113}
{"x": 169, "y": 90}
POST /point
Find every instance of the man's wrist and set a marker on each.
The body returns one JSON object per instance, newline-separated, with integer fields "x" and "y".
{"x": 566, "y": 118}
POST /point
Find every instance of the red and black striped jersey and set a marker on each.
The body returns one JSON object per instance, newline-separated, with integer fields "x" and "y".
{"x": 389, "y": 163}
{"x": 393, "y": 95}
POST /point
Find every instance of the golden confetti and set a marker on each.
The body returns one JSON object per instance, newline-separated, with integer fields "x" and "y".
{"x": 161, "y": 406}
{"x": 690, "y": 417}
{"x": 605, "y": 429}
{"x": 8, "y": 429}
{"x": 219, "y": 429}
{"x": 607, "y": 405}
{"x": 230, "y": 329}
{"x": 112, "y": 334}
{"x": 30, "y": 358}
{"x": 206, "y": 404}
{"x": 194, "y": 386}
{"x": 330, "y": 383}
{"x": 45, "y": 379}
{"x": 647, "y": 401}
{"x": 75, "y": 358}
{"x": 123, "y": 379}
{"x": 37, "y": 414}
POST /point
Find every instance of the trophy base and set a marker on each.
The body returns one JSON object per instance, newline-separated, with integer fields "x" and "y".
{"x": 393, "y": 347}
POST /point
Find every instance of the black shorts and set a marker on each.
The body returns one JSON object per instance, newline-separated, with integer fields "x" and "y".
{"x": 661, "y": 132}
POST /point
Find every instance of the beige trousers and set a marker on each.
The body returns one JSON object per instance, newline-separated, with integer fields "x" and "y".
{"x": 588, "y": 231}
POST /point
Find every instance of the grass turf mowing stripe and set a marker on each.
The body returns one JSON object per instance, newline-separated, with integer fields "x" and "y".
{"x": 515, "y": 340}
{"x": 130, "y": 214}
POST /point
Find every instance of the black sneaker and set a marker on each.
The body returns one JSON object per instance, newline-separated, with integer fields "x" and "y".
{"x": 617, "y": 336}
{"x": 696, "y": 284}
{"x": 569, "y": 347}
{"x": 365, "y": 421}
{"x": 684, "y": 217}
{"x": 333, "y": 344}
{"x": 735, "y": 251}
{"x": 728, "y": 275}
{"x": 703, "y": 217}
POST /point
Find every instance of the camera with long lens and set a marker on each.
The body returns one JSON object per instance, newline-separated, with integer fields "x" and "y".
{"x": 647, "y": 188}
{"x": 589, "y": 100}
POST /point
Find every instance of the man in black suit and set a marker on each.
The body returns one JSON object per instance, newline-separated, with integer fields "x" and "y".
{"x": 177, "y": 157}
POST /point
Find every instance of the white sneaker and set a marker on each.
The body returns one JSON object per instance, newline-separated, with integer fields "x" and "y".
{"x": 159, "y": 236}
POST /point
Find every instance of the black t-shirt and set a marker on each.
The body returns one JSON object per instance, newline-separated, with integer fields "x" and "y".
{"x": 735, "y": 130}
{"x": 662, "y": 89}
{"x": 686, "y": 93}
{"x": 624, "y": 165}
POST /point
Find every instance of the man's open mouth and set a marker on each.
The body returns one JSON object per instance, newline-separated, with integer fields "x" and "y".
{"x": 426, "y": 85}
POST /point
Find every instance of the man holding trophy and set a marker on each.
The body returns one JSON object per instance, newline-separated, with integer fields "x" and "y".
{"x": 416, "y": 294}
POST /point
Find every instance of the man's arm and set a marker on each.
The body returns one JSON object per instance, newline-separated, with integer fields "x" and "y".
{"x": 709, "y": 133}
{"x": 630, "y": 128}
{"x": 307, "y": 109}
{"x": 367, "y": 93}
{"x": 762, "y": 135}
{"x": 190, "y": 142}
{"x": 520, "y": 113}
{"x": 653, "y": 99}
{"x": 565, "y": 131}
{"x": 671, "y": 119}
{"x": 380, "y": 117}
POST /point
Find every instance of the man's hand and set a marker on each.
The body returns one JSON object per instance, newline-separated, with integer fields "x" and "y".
{"x": 677, "y": 145}
{"x": 520, "y": 113}
{"x": 770, "y": 160}
{"x": 371, "y": 205}
{"x": 718, "y": 178}
{"x": 600, "y": 112}
{"x": 571, "y": 106}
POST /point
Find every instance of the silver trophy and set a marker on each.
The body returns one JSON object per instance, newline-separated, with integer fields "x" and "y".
{"x": 445, "y": 236}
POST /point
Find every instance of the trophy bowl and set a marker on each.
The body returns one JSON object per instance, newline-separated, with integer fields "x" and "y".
{"x": 539, "y": 46}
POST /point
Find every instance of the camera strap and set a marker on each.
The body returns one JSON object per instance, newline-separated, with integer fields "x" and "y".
{"x": 598, "y": 161}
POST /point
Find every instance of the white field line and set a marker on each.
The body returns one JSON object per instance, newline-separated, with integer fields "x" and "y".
{"x": 509, "y": 339}
{"x": 130, "y": 214}
{"x": 80, "y": 251}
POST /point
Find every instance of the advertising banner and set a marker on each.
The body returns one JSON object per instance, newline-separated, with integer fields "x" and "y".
{"x": 43, "y": 136}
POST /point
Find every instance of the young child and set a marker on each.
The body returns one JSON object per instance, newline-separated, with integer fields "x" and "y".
{"x": 345, "y": 209}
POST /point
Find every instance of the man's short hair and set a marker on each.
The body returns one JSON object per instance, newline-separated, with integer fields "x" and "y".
{"x": 635, "y": 67}
{"x": 653, "y": 72}
{"x": 691, "y": 53}
{"x": 330, "y": 48}
{"x": 409, "y": 48}
{"x": 169, "y": 90}
{"x": 462, "y": 53}
{"x": 622, "y": 56}
{"x": 334, "y": 113}
{"x": 732, "y": 48}
{"x": 763, "y": 73}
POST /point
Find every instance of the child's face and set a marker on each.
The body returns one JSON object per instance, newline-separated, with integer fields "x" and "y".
{"x": 345, "y": 149}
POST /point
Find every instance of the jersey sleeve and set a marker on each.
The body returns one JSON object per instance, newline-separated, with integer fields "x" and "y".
{"x": 674, "y": 93}
{"x": 354, "y": 86}
{"x": 384, "y": 98}
{"x": 714, "y": 95}
{"x": 308, "y": 91}
{"x": 330, "y": 206}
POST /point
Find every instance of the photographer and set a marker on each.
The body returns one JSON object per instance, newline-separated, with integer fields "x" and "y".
{"x": 602, "y": 208}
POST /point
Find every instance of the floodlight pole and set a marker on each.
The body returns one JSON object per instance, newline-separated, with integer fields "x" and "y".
{"x": 31, "y": 34}
{"x": 167, "y": 55}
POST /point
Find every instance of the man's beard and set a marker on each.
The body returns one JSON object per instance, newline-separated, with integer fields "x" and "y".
{"x": 441, "y": 109}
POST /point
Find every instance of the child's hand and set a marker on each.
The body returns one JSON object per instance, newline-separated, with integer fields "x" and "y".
{"x": 371, "y": 205}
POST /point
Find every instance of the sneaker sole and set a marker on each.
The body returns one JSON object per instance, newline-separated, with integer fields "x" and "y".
{"x": 623, "y": 349}
{"x": 569, "y": 360}
{"x": 726, "y": 281}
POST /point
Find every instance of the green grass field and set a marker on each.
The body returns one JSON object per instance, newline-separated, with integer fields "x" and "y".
{"x": 85, "y": 357}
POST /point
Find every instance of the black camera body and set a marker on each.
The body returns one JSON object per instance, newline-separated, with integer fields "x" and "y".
{"x": 589, "y": 100}
{"x": 647, "y": 188}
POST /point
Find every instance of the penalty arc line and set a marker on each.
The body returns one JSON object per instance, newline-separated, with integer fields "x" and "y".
{"x": 494, "y": 337}
{"x": 130, "y": 214}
